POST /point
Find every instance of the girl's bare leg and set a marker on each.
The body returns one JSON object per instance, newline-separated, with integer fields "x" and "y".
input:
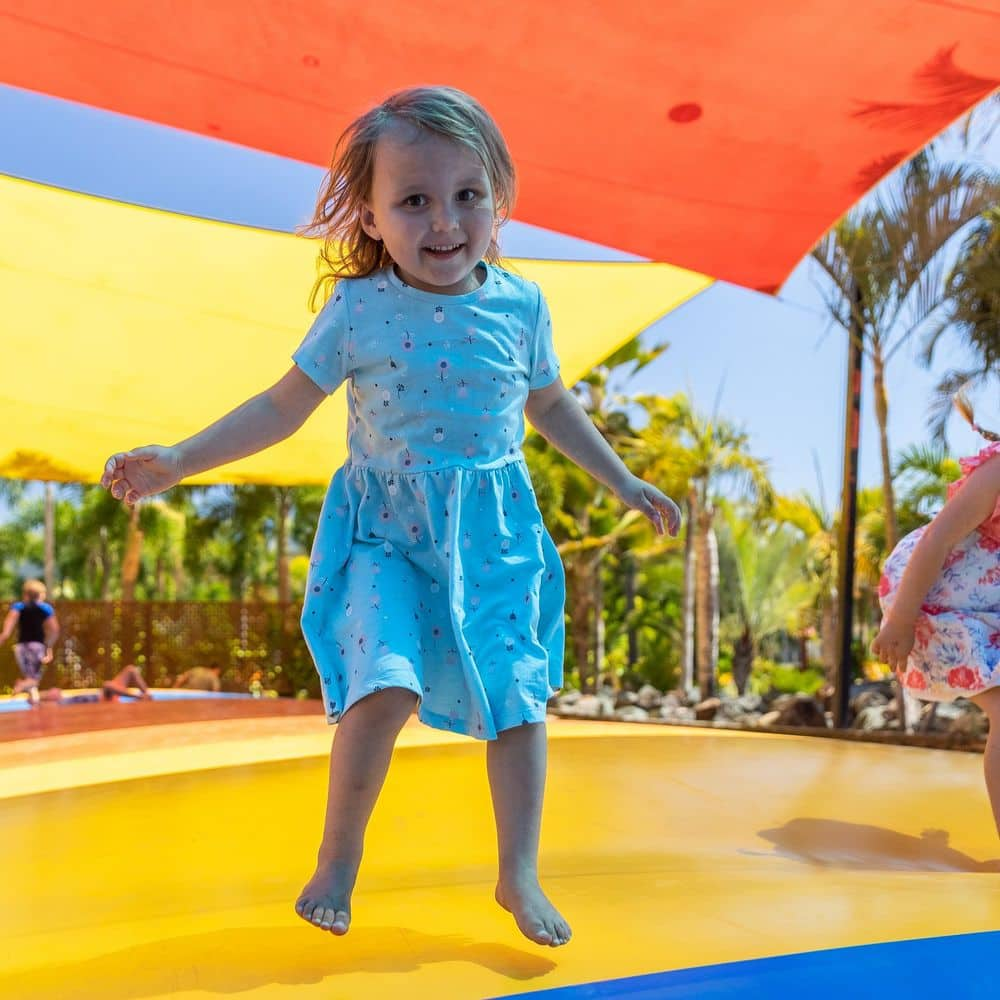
{"x": 989, "y": 702}
{"x": 359, "y": 760}
{"x": 515, "y": 762}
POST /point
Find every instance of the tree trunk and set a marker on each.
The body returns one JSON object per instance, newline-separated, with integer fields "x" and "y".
{"x": 284, "y": 506}
{"x": 631, "y": 574}
{"x": 687, "y": 611}
{"x": 581, "y": 597}
{"x": 599, "y": 628}
{"x": 707, "y": 601}
{"x": 882, "y": 415}
{"x": 828, "y": 637}
{"x": 50, "y": 537}
{"x": 743, "y": 654}
{"x": 132, "y": 555}
{"x": 105, "y": 563}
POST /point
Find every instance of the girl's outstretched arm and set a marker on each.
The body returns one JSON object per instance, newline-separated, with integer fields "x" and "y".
{"x": 558, "y": 416}
{"x": 960, "y": 516}
{"x": 261, "y": 421}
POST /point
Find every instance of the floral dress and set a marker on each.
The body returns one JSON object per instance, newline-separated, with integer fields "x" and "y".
{"x": 431, "y": 569}
{"x": 956, "y": 650}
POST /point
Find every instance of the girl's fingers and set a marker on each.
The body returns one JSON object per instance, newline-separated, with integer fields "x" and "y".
{"x": 111, "y": 468}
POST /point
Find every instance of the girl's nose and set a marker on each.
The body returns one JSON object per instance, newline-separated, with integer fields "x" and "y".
{"x": 444, "y": 219}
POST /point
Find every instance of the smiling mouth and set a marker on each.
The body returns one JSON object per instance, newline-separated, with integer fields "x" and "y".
{"x": 445, "y": 250}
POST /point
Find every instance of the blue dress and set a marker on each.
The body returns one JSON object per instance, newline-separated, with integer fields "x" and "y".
{"x": 431, "y": 569}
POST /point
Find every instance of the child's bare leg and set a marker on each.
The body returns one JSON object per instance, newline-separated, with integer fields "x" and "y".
{"x": 515, "y": 762}
{"x": 359, "y": 760}
{"x": 131, "y": 677}
{"x": 989, "y": 702}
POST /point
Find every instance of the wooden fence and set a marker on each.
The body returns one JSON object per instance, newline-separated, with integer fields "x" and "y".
{"x": 165, "y": 638}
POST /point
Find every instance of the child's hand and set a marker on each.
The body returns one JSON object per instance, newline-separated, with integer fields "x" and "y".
{"x": 893, "y": 643}
{"x": 130, "y": 475}
{"x": 657, "y": 506}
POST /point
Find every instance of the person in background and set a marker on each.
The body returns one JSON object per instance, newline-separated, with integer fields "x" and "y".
{"x": 37, "y": 631}
{"x": 201, "y": 678}
{"x": 118, "y": 687}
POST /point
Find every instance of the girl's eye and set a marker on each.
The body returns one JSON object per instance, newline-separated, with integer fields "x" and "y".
{"x": 415, "y": 201}
{"x": 468, "y": 195}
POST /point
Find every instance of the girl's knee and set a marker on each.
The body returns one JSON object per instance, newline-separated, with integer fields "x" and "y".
{"x": 393, "y": 705}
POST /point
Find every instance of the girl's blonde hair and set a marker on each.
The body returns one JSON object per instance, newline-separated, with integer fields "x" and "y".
{"x": 33, "y": 590}
{"x": 348, "y": 251}
{"x": 964, "y": 407}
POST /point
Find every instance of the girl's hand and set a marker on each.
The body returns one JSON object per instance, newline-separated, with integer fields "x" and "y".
{"x": 131, "y": 475}
{"x": 893, "y": 643}
{"x": 658, "y": 507}
{"x": 47, "y": 658}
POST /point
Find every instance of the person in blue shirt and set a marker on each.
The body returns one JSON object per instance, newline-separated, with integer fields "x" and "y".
{"x": 433, "y": 582}
{"x": 37, "y": 628}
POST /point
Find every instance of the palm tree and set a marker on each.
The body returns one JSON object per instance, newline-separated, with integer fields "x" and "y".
{"x": 885, "y": 269}
{"x": 820, "y": 530}
{"x": 973, "y": 312}
{"x": 707, "y": 454}
{"x": 773, "y": 590}
{"x": 924, "y": 473}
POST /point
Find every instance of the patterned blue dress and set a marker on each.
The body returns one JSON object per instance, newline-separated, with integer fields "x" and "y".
{"x": 431, "y": 569}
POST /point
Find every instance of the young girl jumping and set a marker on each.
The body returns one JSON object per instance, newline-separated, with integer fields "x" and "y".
{"x": 433, "y": 581}
{"x": 940, "y": 595}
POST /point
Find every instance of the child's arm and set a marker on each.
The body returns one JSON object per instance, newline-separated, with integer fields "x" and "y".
{"x": 557, "y": 415}
{"x": 50, "y": 628}
{"x": 960, "y": 516}
{"x": 9, "y": 624}
{"x": 261, "y": 421}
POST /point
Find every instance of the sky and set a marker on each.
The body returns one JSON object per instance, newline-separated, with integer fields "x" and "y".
{"x": 773, "y": 364}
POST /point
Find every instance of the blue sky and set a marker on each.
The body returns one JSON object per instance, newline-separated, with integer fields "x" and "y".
{"x": 774, "y": 364}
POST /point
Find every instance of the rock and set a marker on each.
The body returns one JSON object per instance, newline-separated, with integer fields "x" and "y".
{"x": 872, "y": 717}
{"x": 649, "y": 697}
{"x": 868, "y": 698}
{"x": 706, "y": 710}
{"x": 769, "y": 719}
{"x": 671, "y": 701}
{"x": 972, "y": 724}
{"x": 631, "y": 713}
{"x": 677, "y": 713}
{"x": 625, "y": 698}
{"x": 800, "y": 710}
{"x": 589, "y": 706}
{"x": 567, "y": 698}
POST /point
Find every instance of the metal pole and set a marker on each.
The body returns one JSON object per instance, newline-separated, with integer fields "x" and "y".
{"x": 849, "y": 512}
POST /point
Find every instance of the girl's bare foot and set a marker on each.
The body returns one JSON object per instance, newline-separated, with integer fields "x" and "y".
{"x": 325, "y": 901}
{"x": 537, "y": 919}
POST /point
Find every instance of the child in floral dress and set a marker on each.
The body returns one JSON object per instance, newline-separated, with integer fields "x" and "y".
{"x": 940, "y": 594}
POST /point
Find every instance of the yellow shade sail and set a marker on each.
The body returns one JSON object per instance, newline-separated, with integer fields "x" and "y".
{"x": 126, "y": 326}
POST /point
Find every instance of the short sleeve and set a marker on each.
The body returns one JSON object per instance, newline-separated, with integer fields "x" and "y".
{"x": 322, "y": 355}
{"x": 969, "y": 465}
{"x": 544, "y": 363}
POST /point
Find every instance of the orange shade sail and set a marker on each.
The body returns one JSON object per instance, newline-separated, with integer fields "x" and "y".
{"x": 719, "y": 136}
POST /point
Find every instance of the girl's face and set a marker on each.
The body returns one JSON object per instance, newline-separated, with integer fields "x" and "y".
{"x": 432, "y": 206}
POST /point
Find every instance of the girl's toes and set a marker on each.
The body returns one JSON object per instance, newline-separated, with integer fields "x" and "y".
{"x": 304, "y": 908}
{"x": 317, "y": 915}
{"x": 341, "y": 922}
{"x": 328, "y": 916}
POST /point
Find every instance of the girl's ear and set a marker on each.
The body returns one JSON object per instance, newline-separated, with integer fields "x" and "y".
{"x": 368, "y": 223}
